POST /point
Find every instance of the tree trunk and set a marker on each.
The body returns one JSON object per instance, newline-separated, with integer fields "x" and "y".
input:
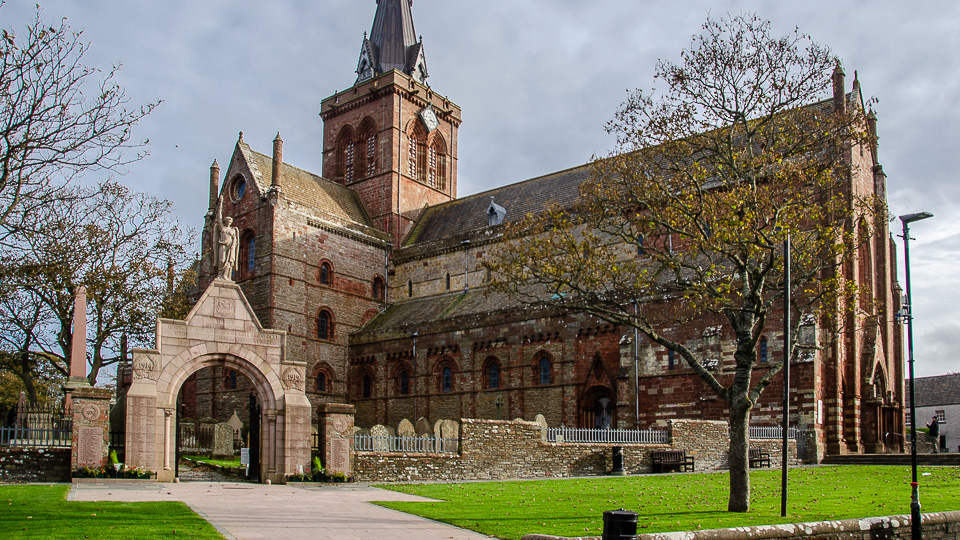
{"x": 739, "y": 465}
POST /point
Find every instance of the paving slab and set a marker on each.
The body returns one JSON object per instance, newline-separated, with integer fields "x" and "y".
{"x": 253, "y": 511}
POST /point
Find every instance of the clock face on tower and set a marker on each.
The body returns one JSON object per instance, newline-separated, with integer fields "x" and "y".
{"x": 429, "y": 118}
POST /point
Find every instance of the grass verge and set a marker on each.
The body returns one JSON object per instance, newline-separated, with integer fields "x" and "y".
{"x": 235, "y": 462}
{"x": 680, "y": 502}
{"x": 43, "y": 512}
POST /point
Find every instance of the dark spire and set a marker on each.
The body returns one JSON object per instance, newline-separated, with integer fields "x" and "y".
{"x": 392, "y": 43}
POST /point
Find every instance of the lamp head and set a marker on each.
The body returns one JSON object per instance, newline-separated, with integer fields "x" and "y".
{"x": 910, "y": 218}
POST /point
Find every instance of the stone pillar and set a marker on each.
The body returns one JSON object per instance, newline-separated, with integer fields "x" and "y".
{"x": 91, "y": 427}
{"x": 336, "y": 436}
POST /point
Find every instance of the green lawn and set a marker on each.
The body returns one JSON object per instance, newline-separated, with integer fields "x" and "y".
{"x": 235, "y": 462}
{"x": 43, "y": 512}
{"x": 679, "y": 502}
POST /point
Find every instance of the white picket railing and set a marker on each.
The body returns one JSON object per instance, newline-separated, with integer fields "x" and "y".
{"x": 616, "y": 436}
{"x": 771, "y": 432}
{"x": 371, "y": 443}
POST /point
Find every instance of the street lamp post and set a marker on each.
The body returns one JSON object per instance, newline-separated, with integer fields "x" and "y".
{"x": 908, "y": 310}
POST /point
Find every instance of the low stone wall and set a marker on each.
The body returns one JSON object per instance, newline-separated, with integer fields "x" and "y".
{"x": 21, "y": 465}
{"x": 935, "y": 526}
{"x": 495, "y": 449}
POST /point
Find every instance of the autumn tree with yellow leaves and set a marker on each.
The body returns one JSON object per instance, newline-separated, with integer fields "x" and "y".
{"x": 685, "y": 220}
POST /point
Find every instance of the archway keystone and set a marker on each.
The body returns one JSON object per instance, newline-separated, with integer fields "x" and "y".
{"x": 222, "y": 329}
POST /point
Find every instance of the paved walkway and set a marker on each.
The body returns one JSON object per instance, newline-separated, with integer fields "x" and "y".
{"x": 254, "y": 511}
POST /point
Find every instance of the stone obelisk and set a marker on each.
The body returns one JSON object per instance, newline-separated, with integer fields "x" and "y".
{"x": 78, "y": 349}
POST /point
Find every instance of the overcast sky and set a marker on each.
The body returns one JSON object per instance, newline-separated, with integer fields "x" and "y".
{"x": 536, "y": 79}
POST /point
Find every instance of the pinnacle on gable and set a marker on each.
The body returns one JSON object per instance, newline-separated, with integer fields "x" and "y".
{"x": 392, "y": 44}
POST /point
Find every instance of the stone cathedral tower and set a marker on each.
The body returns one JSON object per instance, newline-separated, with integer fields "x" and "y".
{"x": 390, "y": 137}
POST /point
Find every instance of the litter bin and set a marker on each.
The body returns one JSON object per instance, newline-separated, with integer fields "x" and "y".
{"x": 617, "y": 461}
{"x": 619, "y": 525}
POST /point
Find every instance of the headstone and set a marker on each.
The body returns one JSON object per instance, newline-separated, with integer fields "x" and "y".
{"x": 235, "y": 422}
{"x": 423, "y": 427}
{"x": 450, "y": 433}
{"x": 405, "y": 429}
{"x": 436, "y": 429}
{"x": 222, "y": 440}
{"x": 391, "y": 431}
{"x": 380, "y": 434}
{"x": 542, "y": 421}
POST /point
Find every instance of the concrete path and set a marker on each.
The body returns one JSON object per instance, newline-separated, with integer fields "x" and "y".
{"x": 253, "y": 511}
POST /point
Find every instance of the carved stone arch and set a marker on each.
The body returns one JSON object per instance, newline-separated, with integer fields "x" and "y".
{"x": 865, "y": 273}
{"x": 543, "y": 368}
{"x": 221, "y": 330}
{"x": 401, "y": 387}
{"x": 492, "y": 373}
{"x": 368, "y": 316}
{"x": 598, "y": 383}
{"x": 321, "y": 378}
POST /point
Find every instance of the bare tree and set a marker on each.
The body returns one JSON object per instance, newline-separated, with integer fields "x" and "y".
{"x": 59, "y": 119}
{"x": 117, "y": 243}
{"x": 683, "y": 223}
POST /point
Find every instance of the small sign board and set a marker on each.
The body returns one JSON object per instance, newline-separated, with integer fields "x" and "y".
{"x": 245, "y": 456}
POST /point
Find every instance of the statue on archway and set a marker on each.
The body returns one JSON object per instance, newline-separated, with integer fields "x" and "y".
{"x": 228, "y": 244}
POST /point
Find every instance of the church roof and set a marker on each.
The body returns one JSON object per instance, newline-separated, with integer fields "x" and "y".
{"x": 393, "y": 43}
{"x": 470, "y": 213}
{"x": 316, "y": 192}
{"x": 940, "y": 390}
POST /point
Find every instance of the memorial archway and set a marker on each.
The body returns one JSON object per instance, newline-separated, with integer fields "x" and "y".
{"x": 220, "y": 330}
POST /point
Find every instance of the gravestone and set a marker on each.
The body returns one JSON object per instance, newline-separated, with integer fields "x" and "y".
{"x": 450, "y": 432}
{"x": 222, "y": 440}
{"x": 423, "y": 427}
{"x": 380, "y": 434}
{"x": 405, "y": 429}
{"x": 236, "y": 422}
{"x": 542, "y": 421}
{"x": 436, "y": 429}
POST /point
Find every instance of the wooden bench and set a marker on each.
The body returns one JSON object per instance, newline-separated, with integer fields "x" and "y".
{"x": 759, "y": 458}
{"x": 667, "y": 460}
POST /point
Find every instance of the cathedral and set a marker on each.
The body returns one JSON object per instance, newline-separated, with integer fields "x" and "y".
{"x": 374, "y": 269}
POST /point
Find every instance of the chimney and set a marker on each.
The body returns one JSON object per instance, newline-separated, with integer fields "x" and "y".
{"x": 277, "y": 160}
{"x": 214, "y": 185}
{"x": 839, "y": 99}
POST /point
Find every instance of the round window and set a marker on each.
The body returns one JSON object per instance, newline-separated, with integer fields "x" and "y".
{"x": 239, "y": 188}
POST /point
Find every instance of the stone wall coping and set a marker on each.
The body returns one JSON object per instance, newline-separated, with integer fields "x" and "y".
{"x": 336, "y": 408}
{"x": 528, "y": 423}
{"x": 415, "y": 455}
{"x": 89, "y": 392}
{"x": 787, "y": 530}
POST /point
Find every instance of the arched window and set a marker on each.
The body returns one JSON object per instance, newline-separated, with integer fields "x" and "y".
{"x": 544, "y": 369}
{"x": 492, "y": 373}
{"x": 367, "y": 385}
{"x": 321, "y": 382}
{"x": 417, "y": 156}
{"x": 671, "y": 359}
{"x": 436, "y": 175}
{"x": 378, "y": 288}
{"x": 232, "y": 380}
{"x": 325, "y": 325}
{"x": 251, "y": 253}
{"x": 446, "y": 379}
{"x": 248, "y": 253}
{"x": 640, "y": 245}
{"x": 346, "y": 155}
{"x": 410, "y": 288}
{"x": 326, "y": 273}
{"x": 404, "y": 382}
{"x": 448, "y": 281}
{"x": 763, "y": 350}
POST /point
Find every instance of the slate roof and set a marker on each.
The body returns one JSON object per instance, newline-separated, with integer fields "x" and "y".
{"x": 939, "y": 390}
{"x": 445, "y": 312}
{"x": 393, "y": 36}
{"x": 315, "y": 191}
{"x": 470, "y": 213}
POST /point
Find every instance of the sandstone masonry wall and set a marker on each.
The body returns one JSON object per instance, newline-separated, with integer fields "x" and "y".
{"x": 494, "y": 449}
{"x": 21, "y": 465}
